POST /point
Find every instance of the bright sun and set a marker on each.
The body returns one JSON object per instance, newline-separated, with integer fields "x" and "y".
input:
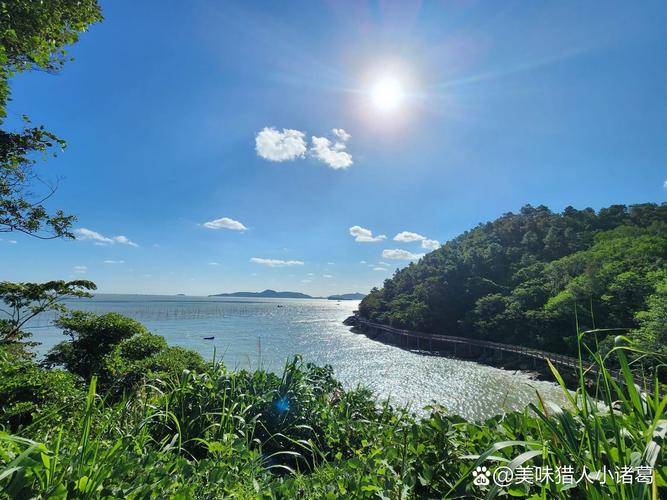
{"x": 387, "y": 94}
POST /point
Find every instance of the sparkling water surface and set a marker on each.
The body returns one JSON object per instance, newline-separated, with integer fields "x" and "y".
{"x": 252, "y": 333}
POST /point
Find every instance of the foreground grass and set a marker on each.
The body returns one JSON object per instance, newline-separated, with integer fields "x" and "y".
{"x": 300, "y": 435}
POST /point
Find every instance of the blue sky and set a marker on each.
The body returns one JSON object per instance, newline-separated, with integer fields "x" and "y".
{"x": 176, "y": 114}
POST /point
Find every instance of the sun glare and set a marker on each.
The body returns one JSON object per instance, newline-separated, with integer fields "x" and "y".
{"x": 387, "y": 94}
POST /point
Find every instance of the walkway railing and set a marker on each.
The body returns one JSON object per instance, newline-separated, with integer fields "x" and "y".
{"x": 558, "y": 360}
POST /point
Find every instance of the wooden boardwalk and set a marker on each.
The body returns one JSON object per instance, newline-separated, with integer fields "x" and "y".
{"x": 471, "y": 348}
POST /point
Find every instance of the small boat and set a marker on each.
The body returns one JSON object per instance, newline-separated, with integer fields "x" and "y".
{"x": 209, "y": 338}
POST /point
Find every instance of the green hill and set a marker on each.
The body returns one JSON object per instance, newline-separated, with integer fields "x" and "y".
{"x": 521, "y": 278}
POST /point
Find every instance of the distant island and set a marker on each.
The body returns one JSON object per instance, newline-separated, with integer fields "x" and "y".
{"x": 347, "y": 296}
{"x": 266, "y": 293}
{"x": 289, "y": 295}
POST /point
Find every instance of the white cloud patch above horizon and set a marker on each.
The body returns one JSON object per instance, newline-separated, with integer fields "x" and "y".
{"x": 99, "y": 239}
{"x": 332, "y": 153}
{"x": 214, "y": 263}
{"x": 408, "y": 237}
{"x": 664, "y": 184}
{"x": 276, "y": 262}
{"x": 398, "y": 254}
{"x": 363, "y": 235}
{"x": 80, "y": 269}
{"x": 109, "y": 261}
{"x": 274, "y": 145}
{"x": 225, "y": 223}
{"x": 379, "y": 269}
{"x": 327, "y": 276}
{"x": 430, "y": 244}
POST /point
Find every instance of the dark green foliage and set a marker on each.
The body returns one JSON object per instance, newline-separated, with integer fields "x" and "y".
{"x": 28, "y": 392}
{"x": 24, "y": 301}
{"x": 116, "y": 349}
{"x": 145, "y": 355}
{"x": 527, "y": 278}
{"x": 92, "y": 338}
{"x": 33, "y": 36}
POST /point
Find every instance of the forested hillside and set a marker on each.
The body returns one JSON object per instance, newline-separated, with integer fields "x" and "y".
{"x": 527, "y": 278}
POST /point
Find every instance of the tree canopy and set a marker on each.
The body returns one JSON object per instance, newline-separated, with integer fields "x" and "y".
{"x": 34, "y": 36}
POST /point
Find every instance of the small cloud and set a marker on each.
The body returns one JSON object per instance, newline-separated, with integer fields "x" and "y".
{"x": 124, "y": 240}
{"x": 408, "y": 237}
{"x": 311, "y": 274}
{"x": 276, "y": 262}
{"x": 80, "y": 269}
{"x": 430, "y": 244}
{"x": 101, "y": 240}
{"x": 88, "y": 234}
{"x": 332, "y": 153}
{"x": 341, "y": 134}
{"x": 379, "y": 269}
{"x": 327, "y": 276}
{"x": 214, "y": 263}
{"x": 397, "y": 254}
{"x": 306, "y": 281}
{"x": 331, "y": 263}
{"x": 114, "y": 262}
{"x": 12, "y": 242}
{"x": 664, "y": 184}
{"x": 225, "y": 223}
{"x": 363, "y": 235}
{"x": 274, "y": 145}
{"x": 362, "y": 262}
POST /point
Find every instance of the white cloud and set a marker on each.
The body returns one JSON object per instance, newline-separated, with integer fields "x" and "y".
{"x": 332, "y": 153}
{"x": 12, "y": 242}
{"x": 398, "y": 254}
{"x": 341, "y": 134}
{"x": 379, "y": 269}
{"x": 311, "y": 274}
{"x": 114, "y": 262}
{"x": 430, "y": 244}
{"x": 306, "y": 281}
{"x": 363, "y": 235}
{"x": 225, "y": 223}
{"x": 408, "y": 237}
{"x": 89, "y": 234}
{"x": 273, "y": 145}
{"x": 214, "y": 263}
{"x": 124, "y": 240}
{"x": 331, "y": 263}
{"x": 99, "y": 239}
{"x": 383, "y": 263}
{"x": 79, "y": 269}
{"x": 664, "y": 185}
{"x": 362, "y": 262}
{"x": 276, "y": 262}
{"x": 327, "y": 276}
